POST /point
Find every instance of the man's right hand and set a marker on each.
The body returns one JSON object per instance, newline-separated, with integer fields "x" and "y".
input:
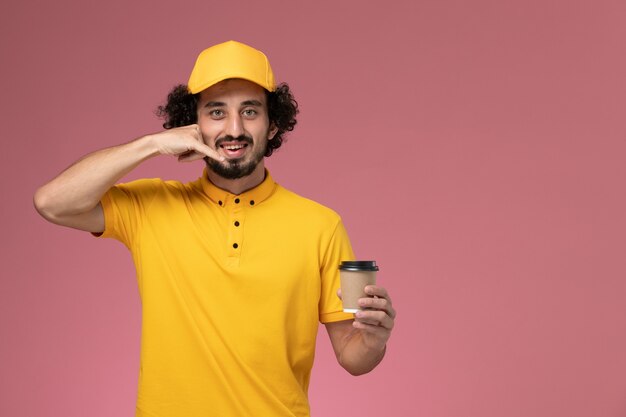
{"x": 184, "y": 142}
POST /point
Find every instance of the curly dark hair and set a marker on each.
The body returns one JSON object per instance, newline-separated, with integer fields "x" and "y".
{"x": 181, "y": 110}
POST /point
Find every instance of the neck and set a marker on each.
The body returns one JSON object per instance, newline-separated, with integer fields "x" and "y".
{"x": 239, "y": 185}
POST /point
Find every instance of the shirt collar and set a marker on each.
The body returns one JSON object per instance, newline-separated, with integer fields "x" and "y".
{"x": 250, "y": 198}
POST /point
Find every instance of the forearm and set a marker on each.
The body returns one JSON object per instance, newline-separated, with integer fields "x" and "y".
{"x": 357, "y": 357}
{"x": 81, "y": 186}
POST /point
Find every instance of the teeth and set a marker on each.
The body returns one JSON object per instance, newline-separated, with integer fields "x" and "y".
{"x": 233, "y": 147}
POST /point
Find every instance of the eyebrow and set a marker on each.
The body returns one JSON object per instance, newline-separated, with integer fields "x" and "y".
{"x": 222, "y": 104}
{"x": 252, "y": 103}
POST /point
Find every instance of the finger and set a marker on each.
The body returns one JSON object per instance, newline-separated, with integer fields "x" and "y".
{"x": 373, "y": 290}
{"x": 375, "y": 318}
{"x": 196, "y": 128}
{"x": 339, "y": 294}
{"x": 200, "y": 146}
{"x": 206, "y": 151}
{"x": 377, "y": 330}
{"x": 378, "y": 304}
{"x": 381, "y": 292}
{"x": 190, "y": 156}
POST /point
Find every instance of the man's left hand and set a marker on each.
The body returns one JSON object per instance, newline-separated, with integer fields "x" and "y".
{"x": 376, "y": 319}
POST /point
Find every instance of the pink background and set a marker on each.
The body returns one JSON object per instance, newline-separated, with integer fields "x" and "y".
{"x": 475, "y": 149}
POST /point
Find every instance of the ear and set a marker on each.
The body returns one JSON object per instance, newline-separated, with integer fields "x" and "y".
{"x": 272, "y": 132}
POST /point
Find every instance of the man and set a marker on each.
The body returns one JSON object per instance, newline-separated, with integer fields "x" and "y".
{"x": 234, "y": 271}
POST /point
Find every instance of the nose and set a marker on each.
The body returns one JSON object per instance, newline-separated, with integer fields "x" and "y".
{"x": 234, "y": 125}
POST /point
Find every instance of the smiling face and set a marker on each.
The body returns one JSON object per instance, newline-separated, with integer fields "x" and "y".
{"x": 233, "y": 119}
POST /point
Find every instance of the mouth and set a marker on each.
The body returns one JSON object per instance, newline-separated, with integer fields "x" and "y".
{"x": 233, "y": 150}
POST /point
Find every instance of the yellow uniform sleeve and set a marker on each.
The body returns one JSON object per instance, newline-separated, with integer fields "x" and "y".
{"x": 339, "y": 249}
{"x": 124, "y": 207}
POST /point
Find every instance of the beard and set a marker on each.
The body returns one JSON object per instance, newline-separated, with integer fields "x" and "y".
{"x": 232, "y": 169}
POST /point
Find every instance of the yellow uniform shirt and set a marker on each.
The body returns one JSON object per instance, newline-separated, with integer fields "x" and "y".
{"x": 232, "y": 290}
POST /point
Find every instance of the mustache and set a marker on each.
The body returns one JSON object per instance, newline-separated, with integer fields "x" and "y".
{"x": 228, "y": 138}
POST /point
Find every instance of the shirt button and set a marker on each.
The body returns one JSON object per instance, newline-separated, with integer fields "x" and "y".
{"x": 236, "y": 201}
{"x": 235, "y": 245}
{"x": 251, "y": 202}
{"x": 219, "y": 202}
{"x": 236, "y": 224}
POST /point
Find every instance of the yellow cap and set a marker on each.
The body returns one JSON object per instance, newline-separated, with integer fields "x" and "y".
{"x": 230, "y": 60}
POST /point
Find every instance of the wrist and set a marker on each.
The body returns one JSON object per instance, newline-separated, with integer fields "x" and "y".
{"x": 147, "y": 146}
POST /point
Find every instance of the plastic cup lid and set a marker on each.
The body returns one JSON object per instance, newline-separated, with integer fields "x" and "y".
{"x": 358, "y": 266}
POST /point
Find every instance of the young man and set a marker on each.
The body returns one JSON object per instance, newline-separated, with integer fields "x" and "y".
{"x": 234, "y": 271}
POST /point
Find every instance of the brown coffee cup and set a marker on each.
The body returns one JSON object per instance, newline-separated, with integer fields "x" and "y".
{"x": 355, "y": 276}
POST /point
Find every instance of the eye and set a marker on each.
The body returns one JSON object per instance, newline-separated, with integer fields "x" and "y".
{"x": 249, "y": 112}
{"x": 217, "y": 113}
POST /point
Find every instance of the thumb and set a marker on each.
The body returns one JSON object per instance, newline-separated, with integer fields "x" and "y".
{"x": 211, "y": 153}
